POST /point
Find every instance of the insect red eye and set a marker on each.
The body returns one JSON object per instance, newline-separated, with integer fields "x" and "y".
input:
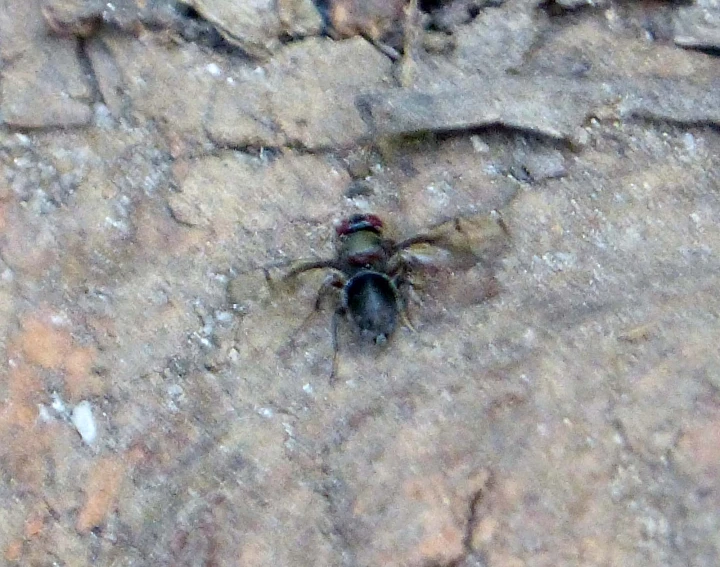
{"x": 343, "y": 228}
{"x": 373, "y": 220}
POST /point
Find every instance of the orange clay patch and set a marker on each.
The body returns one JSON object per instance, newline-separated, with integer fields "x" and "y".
{"x": 103, "y": 485}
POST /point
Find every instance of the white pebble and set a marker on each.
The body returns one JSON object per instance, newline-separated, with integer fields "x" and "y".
{"x": 57, "y": 404}
{"x": 44, "y": 414}
{"x": 83, "y": 420}
{"x": 689, "y": 142}
{"x": 479, "y": 146}
{"x": 267, "y": 413}
{"x": 213, "y": 69}
{"x": 223, "y": 316}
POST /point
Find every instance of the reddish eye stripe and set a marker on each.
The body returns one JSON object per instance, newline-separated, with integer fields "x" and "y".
{"x": 358, "y": 222}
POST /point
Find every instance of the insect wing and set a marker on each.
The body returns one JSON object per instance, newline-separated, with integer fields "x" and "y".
{"x": 459, "y": 243}
{"x": 456, "y": 263}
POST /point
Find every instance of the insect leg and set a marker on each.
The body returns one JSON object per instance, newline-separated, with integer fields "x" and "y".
{"x": 307, "y": 265}
{"x": 333, "y": 282}
{"x": 339, "y": 313}
{"x": 402, "y": 284}
{"x": 413, "y": 240}
{"x": 405, "y": 318}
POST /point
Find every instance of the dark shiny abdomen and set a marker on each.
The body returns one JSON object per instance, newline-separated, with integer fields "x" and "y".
{"x": 370, "y": 299}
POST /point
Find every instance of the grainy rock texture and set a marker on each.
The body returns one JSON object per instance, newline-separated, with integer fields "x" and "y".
{"x": 164, "y": 394}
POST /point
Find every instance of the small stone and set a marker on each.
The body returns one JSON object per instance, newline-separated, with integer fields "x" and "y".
{"x": 83, "y": 420}
{"x": 58, "y": 405}
{"x": 369, "y": 18}
{"x": 300, "y": 18}
{"x": 213, "y": 69}
{"x": 574, "y": 4}
{"x": 698, "y": 26}
{"x": 252, "y": 25}
{"x": 479, "y": 146}
{"x": 544, "y": 164}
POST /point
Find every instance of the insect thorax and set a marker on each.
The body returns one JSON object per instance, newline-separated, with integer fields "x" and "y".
{"x": 364, "y": 248}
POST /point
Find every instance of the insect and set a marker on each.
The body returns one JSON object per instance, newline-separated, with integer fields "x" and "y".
{"x": 370, "y": 275}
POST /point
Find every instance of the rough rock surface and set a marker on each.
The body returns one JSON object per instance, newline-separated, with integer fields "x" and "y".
{"x": 165, "y": 400}
{"x": 312, "y": 104}
{"x": 49, "y": 67}
{"x": 698, "y": 26}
